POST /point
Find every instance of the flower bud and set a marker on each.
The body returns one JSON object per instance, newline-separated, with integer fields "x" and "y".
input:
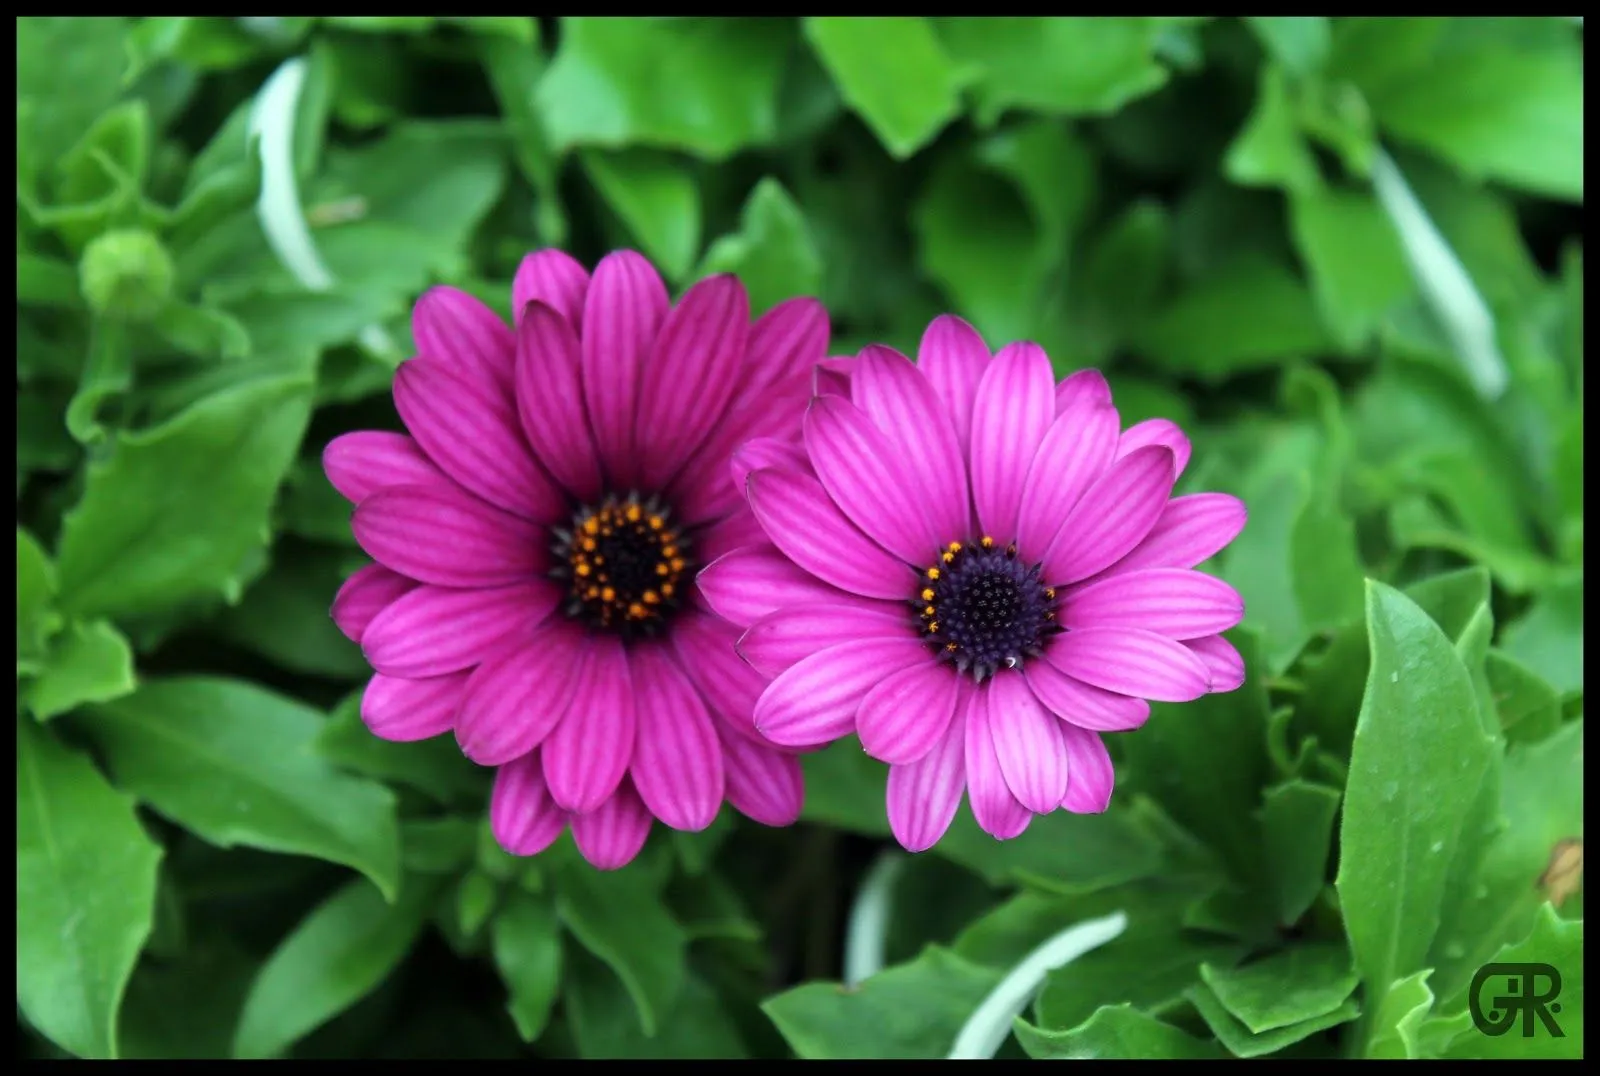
{"x": 126, "y": 274}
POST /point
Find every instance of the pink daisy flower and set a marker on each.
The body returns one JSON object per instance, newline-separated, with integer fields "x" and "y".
{"x": 536, "y": 538}
{"x": 978, "y": 572}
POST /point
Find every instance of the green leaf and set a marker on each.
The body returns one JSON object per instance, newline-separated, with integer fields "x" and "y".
{"x": 233, "y": 762}
{"x": 1069, "y": 65}
{"x": 171, "y": 512}
{"x": 1125, "y": 270}
{"x": 1416, "y": 765}
{"x": 1250, "y": 313}
{"x": 1396, "y": 1026}
{"x": 1299, "y": 984}
{"x": 893, "y": 73}
{"x": 619, "y": 918}
{"x": 1115, "y": 1031}
{"x": 515, "y": 71}
{"x": 186, "y": 1007}
{"x": 1354, "y": 258}
{"x": 69, "y": 70}
{"x": 43, "y": 281}
{"x": 912, "y": 1010}
{"x": 37, "y": 620}
{"x": 86, "y": 891}
{"x": 772, "y": 253}
{"x": 107, "y": 373}
{"x": 657, "y": 198}
{"x": 1549, "y": 639}
{"x": 1271, "y": 151}
{"x": 1300, "y": 43}
{"x": 438, "y": 845}
{"x": 203, "y": 331}
{"x": 335, "y": 956}
{"x": 527, "y": 951}
{"x": 436, "y": 767}
{"x": 708, "y": 86}
{"x": 1297, "y": 834}
{"x": 698, "y": 1027}
{"x": 1496, "y": 110}
{"x": 90, "y": 662}
{"x": 1559, "y": 943}
{"x": 1528, "y": 707}
{"x": 284, "y": 616}
{"x": 1326, "y": 566}
{"x": 1242, "y": 1043}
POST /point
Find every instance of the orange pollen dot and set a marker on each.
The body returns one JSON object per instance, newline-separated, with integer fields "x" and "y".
{"x": 608, "y": 594}
{"x": 651, "y": 598}
{"x": 988, "y": 543}
{"x": 949, "y": 558}
{"x": 1050, "y": 593}
{"x": 637, "y": 611}
{"x": 933, "y": 628}
{"x": 633, "y": 513}
{"x": 928, "y": 610}
{"x": 582, "y": 569}
{"x": 933, "y": 573}
{"x": 656, "y": 523}
{"x": 954, "y": 547}
{"x": 927, "y": 594}
{"x": 666, "y": 590}
{"x": 662, "y": 569}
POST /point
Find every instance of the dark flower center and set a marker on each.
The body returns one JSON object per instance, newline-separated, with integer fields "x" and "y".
{"x": 984, "y": 609}
{"x": 624, "y": 562}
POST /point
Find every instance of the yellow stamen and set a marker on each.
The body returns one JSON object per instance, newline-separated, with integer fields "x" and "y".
{"x": 927, "y": 594}
{"x": 933, "y": 573}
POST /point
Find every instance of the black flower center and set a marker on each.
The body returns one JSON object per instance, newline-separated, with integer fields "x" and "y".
{"x": 624, "y": 562}
{"x": 984, "y": 609}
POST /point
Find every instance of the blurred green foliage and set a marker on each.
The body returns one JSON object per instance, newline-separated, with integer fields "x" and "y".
{"x": 215, "y": 858}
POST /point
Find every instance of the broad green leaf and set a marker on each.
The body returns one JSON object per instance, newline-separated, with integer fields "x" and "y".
{"x": 1249, "y": 314}
{"x": 284, "y": 616}
{"x": 107, "y": 373}
{"x": 1326, "y": 564}
{"x": 336, "y": 955}
{"x": 89, "y": 662}
{"x": 1559, "y": 943}
{"x": 1071, "y": 65}
{"x": 44, "y": 281}
{"x": 893, "y": 73}
{"x": 37, "y": 621}
{"x": 1297, "y": 834}
{"x": 1529, "y": 709}
{"x": 1300, "y": 43}
{"x": 1124, "y": 274}
{"x": 438, "y": 845}
{"x": 1115, "y": 1031}
{"x": 913, "y": 1010}
{"x": 657, "y": 199}
{"x": 1271, "y": 151}
{"x": 527, "y": 952}
{"x": 772, "y": 253}
{"x": 708, "y": 86}
{"x": 1540, "y": 809}
{"x": 171, "y": 512}
{"x": 1549, "y": 638}
{"x": 69, "y": 70}
{"x": 623, "y": 922}
{"x": 698, "y": 1027}
{"x": 234, "y": 763}
{"x": 1416, "y": 764}
{"x": 436, "y": 767}
{"x": 86, "y": 890}
{"x": 1301, "y": 983}
{"x": 475, "y": 897}
{"x": 515, "y": 71}
{"x": 1396, "y": 1027}
{"x": 203, "y": 331}
{"x": 1061, "y": 852}
{"x": 1241, "y": 1042}
{"x": 1352, "y": 253}
{"x": 187, "y": 1007}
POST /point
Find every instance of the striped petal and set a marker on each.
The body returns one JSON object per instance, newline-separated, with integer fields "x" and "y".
{"x": 815, "y": 700}
{"x": 953, "y": 357}
{"x": 1176, "y": 602}
{"x": 460, "y": 333}
{"x": 610, "y": 836}
{"x": 994, "y": 806}
{"x": 554, "y": 278}
{"x": 406, "y": 710}
{"x": 549, "y": 385}
{"x": 359, "y": 464}
{"x": 790, "y": 635}
{"x": 512, "y": 703}
{"x": 621, "y": 313}
{"x": 906, "y": 715}
{"x": 1076, "y": 451}
{"x": 1157, "y": 431}
{"x": 862, "y": 473}
{"x": 524, "y": 818}
{"x": 437, "y": 630}
{"x": 440, "y": 535}
{"x": 803, "y": 522}
{"x": 366, "y": 594}
{"x": 1012, "y": 414}
{"x": 922, "y": 796}
{"x": 1224, "y": 664}
{"x": 1028, "y": 743}
{"x": 677, "y": 758}
{"x": 1190, "y": 530}
{"x": 729, "y": 686}
{"x": 746, "y": 585}
{"x": 1079, "y": 704}
{"x": 1131, "y": 662}
{"x": 1093, "y": 777}
{"x": 1084, "y": 388}
{"x": 763, "y": 784}
{"x": 587, "y": 755}
{"x": 1112, "y": 517}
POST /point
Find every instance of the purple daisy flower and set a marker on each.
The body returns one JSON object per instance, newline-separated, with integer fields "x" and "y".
{"x": 978, "y": 572}
{"x": 536, "y": 538}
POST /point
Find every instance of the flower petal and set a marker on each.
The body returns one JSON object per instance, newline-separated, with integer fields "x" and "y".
{"x": 1010, "y": 417}
{"x": 691, "y": 376}
{"x": 1027, "y": 740}
{"x": 621, "y": 313}
{"x": 789, "y": 635}
{"x": 440, "y": 535}
{"x": 469, "y": 427}
{"x": 677, "y": 758}
{"x": 588, "y": 753}
{"x": 549, "y": 385}
{"x": 1086, "y": 387}
{"x": 994, "y": 805}
{"x": 1176, "y": 602}
{"x": 407, "y": 710}
{"x": 1093, "y": 776}
{"x": 803, "y": 522}
{"x": 364, "y": 595}
{"x": 764, "y": 784}
{"x": 1223, "y": 662}
{"x": 896, "y": 395}
{"x": 773, "y": 453}
{"x": 786, "y": 342}
{"x": 552, "y": 277}
{"x": 905, "y": 716}
{"x": 1157, "y": 431}
{"x": 728, "y": 686}
{"x": 815, "y": 700}
{"x": 738, "y": 531}
{"x": 705, "y": 487}
{"x": 1076, "y": 450}
{"x": 361, "y": 463}
{"x": 831, "y": 377}
{"x": 1130, "y": 662}
{"x": 612, "y": 835}
{"x": 746, "y": 585}
{"x": 524, "y": 818}
{"x": 437, "y": 630}
{"x": 1190, "y": 530}
{"x": 461, "y": 334}
{"x": 1112, "y": 517}
{"x": 923, "y": 795}
{"x": 953, "y": 357}
{"x": 1079, "y": 704}
{"x": 862, "y": 473}
{"x": 513, "y": 702}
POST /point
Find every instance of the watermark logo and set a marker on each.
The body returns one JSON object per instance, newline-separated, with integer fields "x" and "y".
{"x": 1529, "y": 989}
